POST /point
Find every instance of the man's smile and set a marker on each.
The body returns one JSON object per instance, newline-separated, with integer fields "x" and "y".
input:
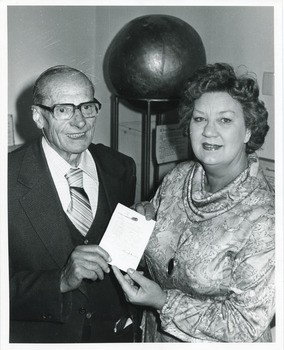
{"x": 76, "y": 135}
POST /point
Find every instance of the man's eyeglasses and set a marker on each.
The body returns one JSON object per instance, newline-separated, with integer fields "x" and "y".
{"x": 65, "y": 111}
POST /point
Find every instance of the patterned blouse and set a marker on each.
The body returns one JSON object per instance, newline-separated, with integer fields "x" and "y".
{"x": 213, "y": 255}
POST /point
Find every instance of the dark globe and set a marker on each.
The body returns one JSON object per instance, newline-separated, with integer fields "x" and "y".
{"x": 152, "y": 56}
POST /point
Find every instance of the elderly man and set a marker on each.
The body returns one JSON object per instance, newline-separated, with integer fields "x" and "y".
{"x": 62, "y": 192}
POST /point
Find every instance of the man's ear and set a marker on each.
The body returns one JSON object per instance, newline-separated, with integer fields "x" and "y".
{"x": 37, "y": 117}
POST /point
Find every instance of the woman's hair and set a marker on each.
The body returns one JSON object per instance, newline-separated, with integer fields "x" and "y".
{"x": 47, "y": 75}
{"x": 220, "y": 77}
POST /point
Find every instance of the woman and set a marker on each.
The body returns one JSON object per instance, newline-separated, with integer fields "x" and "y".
{"x": 211, "y": 255}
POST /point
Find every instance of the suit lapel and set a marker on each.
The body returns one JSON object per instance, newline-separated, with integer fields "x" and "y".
{"x": 110, "y": 184}
{"x": 42, "y": 205}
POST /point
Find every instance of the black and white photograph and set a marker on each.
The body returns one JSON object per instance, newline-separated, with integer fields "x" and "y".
{"x": 141, "y": 169}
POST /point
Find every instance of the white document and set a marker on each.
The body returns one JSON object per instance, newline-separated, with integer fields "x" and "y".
{"x": 126, "y": 237}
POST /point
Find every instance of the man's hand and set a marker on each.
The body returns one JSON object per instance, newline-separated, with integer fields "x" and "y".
{"x": 148, "y": 292}
{"x": 145, "y": 208}
{"x": 89, "y": 262}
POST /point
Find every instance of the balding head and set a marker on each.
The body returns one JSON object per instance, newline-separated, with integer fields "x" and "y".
{"x": 52, "y": 77}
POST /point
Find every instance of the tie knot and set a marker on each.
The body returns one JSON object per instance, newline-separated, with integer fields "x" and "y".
{"x": 75, "y": 177}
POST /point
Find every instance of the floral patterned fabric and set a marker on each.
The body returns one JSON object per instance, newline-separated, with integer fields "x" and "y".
{"x": 221, "y": 288}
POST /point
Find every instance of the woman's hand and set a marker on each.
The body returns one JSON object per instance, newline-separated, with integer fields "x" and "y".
{"x": 145, "y": 208}
{"x": 147, "y": 293}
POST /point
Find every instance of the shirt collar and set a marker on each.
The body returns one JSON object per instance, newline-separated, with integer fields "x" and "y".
{"x": 87, "y": 164}
{"x": 58, "y": 164}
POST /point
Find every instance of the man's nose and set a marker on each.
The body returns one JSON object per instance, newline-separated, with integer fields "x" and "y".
{"x": 78, "y": 119}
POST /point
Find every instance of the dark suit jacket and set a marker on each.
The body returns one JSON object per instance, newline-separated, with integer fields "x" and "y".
{"x": 40, "y": 244}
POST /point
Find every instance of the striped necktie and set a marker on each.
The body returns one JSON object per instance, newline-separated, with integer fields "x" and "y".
{"x": 79, "y": 209}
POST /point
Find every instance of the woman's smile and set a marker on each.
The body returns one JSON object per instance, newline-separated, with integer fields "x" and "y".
{"x": 210, "y": 147}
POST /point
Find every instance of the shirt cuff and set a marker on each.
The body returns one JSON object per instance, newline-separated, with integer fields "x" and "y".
{"x": 167, "y": 313}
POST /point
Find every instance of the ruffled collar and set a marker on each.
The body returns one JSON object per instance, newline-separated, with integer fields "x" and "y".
{"x": 201, "y": 205}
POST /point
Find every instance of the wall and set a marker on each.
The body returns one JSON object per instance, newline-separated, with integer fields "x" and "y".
{"x": 236, "y": 35}
{"x": 42, "y": 36}
{"x": 38, "y": 38}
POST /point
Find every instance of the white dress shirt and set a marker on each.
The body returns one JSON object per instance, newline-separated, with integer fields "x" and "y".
{"x": 59, "y": 167}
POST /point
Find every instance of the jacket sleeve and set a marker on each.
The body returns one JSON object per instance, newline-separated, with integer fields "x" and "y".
{"x": 245, "y": 313}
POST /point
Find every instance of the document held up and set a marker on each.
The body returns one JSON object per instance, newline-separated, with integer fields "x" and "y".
{"x": 126, "y": 237}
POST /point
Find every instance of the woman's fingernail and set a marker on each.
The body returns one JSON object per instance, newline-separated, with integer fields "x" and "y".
{"x": 130, "y": 270}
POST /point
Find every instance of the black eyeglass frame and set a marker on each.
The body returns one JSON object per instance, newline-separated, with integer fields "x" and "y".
{"x": 79, "y": 106}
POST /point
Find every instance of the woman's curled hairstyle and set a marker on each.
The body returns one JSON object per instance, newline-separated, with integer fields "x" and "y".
{"x": 220, "y": 77}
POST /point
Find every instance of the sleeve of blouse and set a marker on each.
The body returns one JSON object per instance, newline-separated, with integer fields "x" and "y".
{"x": 246, "y": 312}
{"x": 157, "y": 197}
{"x": 160, "y": 193}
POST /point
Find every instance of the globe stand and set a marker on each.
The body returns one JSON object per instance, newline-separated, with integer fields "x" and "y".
{"x": 146, "y": 136}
